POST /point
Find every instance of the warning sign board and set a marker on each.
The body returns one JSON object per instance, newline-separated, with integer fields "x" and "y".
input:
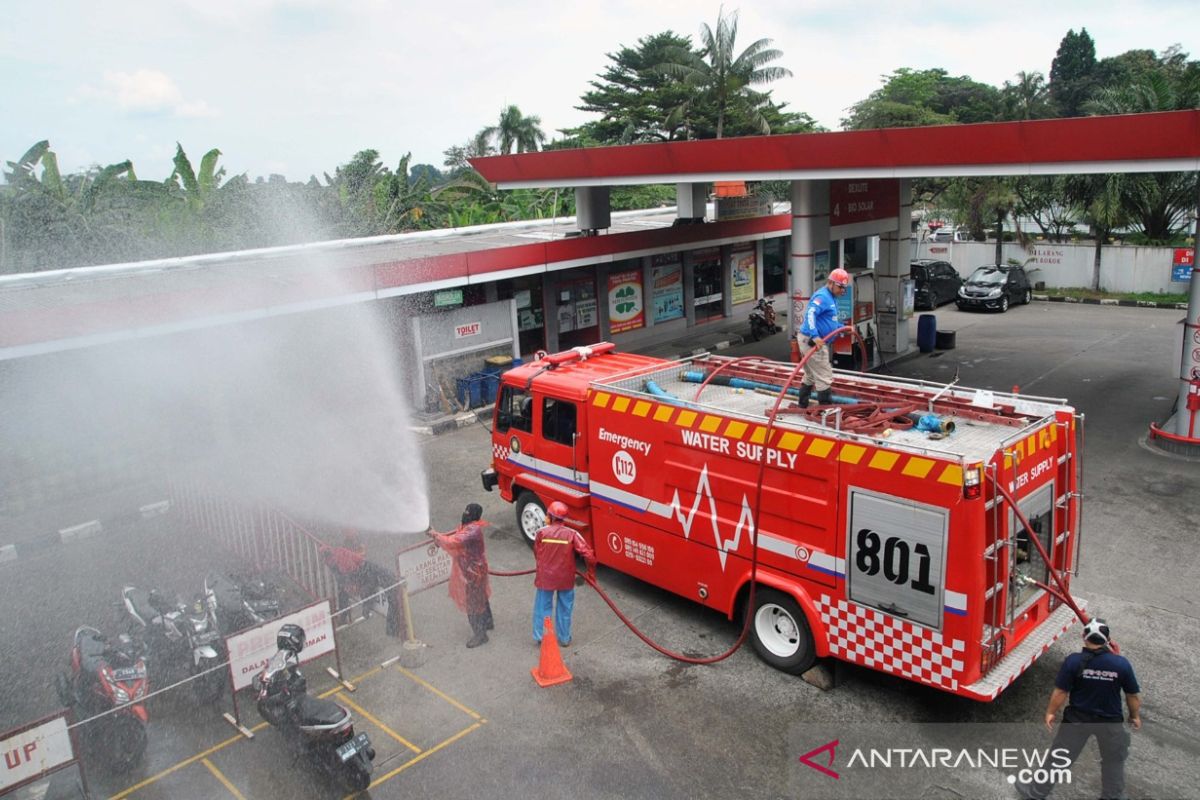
{"x": 423, "y": 566}
{"x": 34, "y": 751}
{"x": 250, "y": 650}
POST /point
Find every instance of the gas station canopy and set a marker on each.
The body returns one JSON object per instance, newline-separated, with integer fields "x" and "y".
{"x": 1161, "y": 142}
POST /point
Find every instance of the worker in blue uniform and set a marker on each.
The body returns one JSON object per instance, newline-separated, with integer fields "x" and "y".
{"x": 820, "y": 320}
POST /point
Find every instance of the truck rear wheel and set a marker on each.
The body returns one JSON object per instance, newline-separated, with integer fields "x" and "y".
{"x": 780, "y": 632}
{"x": 531, "y": 516}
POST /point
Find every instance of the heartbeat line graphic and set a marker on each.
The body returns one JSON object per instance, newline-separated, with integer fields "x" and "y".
{"x": 703, "y": 492}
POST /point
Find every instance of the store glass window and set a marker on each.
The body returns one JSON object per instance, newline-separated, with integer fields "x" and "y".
{"x": 708, "y": 284}
{"x": 576, "y": 312}
{"x": 775, "y": 265}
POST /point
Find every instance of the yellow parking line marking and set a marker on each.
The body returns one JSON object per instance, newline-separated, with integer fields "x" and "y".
{"x": 220, "y": 746}
{"x": 355, "y": 681}
{"x": 143, "y": 784}
{"x": 367, "y": 716}
{"x": 221, "y": 777}
{"x": 472, "y": 727}
{"x": 439, "y": 693}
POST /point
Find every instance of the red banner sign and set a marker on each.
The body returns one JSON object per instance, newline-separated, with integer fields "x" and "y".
{"x": 853, "y": 201}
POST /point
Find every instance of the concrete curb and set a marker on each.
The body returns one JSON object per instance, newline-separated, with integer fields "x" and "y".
{"x": 77, "y": 533}
{"x": 1110, "y": 302}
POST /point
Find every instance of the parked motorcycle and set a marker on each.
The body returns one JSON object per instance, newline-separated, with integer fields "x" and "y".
{"x": 762, "y": 319}
{"x": 240, "y": 603}
{"x": 104, "y": 676}
{"x": 319, "y": 730}
{"x": 182, "y": 639}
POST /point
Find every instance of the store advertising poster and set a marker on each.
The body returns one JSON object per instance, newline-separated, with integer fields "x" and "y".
{"x": 666, "y": 280}
{"x": 744, "y": 263}
{"x": 626, "y": 305}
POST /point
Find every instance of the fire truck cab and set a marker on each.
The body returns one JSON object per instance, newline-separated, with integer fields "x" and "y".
{"x": 874, "y": 529}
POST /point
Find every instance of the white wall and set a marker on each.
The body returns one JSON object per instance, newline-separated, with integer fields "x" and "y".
{"x": 1123, "y": 268}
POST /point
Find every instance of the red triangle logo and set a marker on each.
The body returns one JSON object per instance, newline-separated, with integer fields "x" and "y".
{"x": 824, "y": 769}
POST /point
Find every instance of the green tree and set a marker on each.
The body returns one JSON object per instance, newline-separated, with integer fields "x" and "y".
{"x": 1073, "y": 73}
{"x": 197, "y": 188}
{"x": 1028, "y": 97}
{"x": 1100, "y": 198}
{"x": 909, "y": 98}
{"x": 722, "y": 79}
{"x": 633, "y": 98}
{"x": 516, "y": 131}
{"x": 1159, "y": 202}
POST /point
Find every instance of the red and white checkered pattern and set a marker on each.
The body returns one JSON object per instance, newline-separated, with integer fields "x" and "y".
{"x": 499, "y": 452}
{"x": 865, "y": 636}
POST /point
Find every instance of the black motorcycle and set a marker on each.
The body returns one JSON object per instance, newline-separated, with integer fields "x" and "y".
{"x": 762, "y": 319}
{"x": 240, "y": 603}
{"x": 321, "y": 731}
{"x": 104, "y": 676}
{"x": 182, "y": 639}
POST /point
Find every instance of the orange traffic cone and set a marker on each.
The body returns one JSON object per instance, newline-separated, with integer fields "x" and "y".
{"x": 550, "y": 669}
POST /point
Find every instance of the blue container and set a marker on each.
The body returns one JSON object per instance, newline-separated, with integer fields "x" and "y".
{"x": 516, "y": 362}
{"x": 926, "y": 332}
{"x": 470, "y": 390}
{"x": 494, "y": 365}
{"x": 489, "y": 384}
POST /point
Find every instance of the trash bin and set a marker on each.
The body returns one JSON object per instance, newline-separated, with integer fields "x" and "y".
{"x": 944, "y": 340}
{"x": 494, "y": 365}
{"x": 470, "y": 390}
{"x": 489, "y": 382}
{"x": 926, "y": 332}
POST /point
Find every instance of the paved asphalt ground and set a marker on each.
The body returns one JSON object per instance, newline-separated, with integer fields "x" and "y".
{"x": 455, "y": 723}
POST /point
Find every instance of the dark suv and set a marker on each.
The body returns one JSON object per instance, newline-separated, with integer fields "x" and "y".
{"x": 937, "y": 282}
{"x": 996, "y": 287}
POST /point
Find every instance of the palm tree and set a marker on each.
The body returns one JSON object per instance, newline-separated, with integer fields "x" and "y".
{"x": 1158, "y": 202}
{"x": 717, "y": 75}
{"x": 1101, "y": 199}
{"x": 1028, "y": 97}
{"x": 514, "y": 129}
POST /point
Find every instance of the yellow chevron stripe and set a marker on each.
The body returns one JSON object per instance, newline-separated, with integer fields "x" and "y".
{"x": 663, "y": 413}
{"x": 917, "y": 467}
{"x": 620, "y": 404}
{"x": 884, "y": 460}
{"x": 790, "y": 441}
{"x": 601, "y": 400}
{"x": 641, "y": 408}
{"x": 736, "y": 429}
{"x": 759, "y": 435}
{"x": 710, "y": 424}
{"x": 820, "y": 448}
{"x": 851, "y": 453}
{"x": 685, "y": 419}
{"x": 952, "y": 475}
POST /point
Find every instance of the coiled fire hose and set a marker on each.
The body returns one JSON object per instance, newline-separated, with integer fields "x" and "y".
{"x": 762, "y": 467}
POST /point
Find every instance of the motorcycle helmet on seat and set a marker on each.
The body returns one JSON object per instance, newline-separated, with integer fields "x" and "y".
{"x": 290, "y": 638}
{"x": 1096, "y": 631}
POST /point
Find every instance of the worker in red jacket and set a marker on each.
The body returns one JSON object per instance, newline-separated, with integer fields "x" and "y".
{"x": 469, "y": 587}
{"x": 554, "y": 549}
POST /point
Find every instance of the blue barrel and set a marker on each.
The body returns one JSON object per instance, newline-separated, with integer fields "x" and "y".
{"x": 470, "y": 390}
{"x": 489, "y": 382}
{"x": 926, "y": 332}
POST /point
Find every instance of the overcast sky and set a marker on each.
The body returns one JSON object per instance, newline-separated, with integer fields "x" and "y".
{"x": 298, "y": 86}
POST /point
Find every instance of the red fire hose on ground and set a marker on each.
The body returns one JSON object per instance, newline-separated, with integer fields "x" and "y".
{"x": 762, "y": 466}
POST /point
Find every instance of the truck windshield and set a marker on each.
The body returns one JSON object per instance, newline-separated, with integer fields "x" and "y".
{"x": 514, "y": 410}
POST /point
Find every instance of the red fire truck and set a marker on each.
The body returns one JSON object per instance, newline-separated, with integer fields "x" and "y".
{"x": 882, "y": 535}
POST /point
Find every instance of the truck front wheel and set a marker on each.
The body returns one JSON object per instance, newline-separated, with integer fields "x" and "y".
{"x": 531, "y": 516}
{"x": 780, "y": 632}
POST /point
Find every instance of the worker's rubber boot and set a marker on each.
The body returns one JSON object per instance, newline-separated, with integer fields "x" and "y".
{"x": 805, "y": 393}
{"x": 477, "y": 639}
{"x": 825, "y": 397}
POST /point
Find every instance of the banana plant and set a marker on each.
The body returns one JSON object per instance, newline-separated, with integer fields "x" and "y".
{"x": 197, "y": 189}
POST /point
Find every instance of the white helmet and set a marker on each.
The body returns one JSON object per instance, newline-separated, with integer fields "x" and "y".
{"x": 1096, "y": 631}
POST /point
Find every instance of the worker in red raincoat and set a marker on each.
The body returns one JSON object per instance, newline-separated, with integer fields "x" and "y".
{"x": 469, "y": 587}
{"x": 347, "y": 565}
{"x": 554, "y": 549}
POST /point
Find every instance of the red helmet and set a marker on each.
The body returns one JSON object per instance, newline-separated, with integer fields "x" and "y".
{"x": 840, "y": 277}
{"x": 557, "y": 510}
